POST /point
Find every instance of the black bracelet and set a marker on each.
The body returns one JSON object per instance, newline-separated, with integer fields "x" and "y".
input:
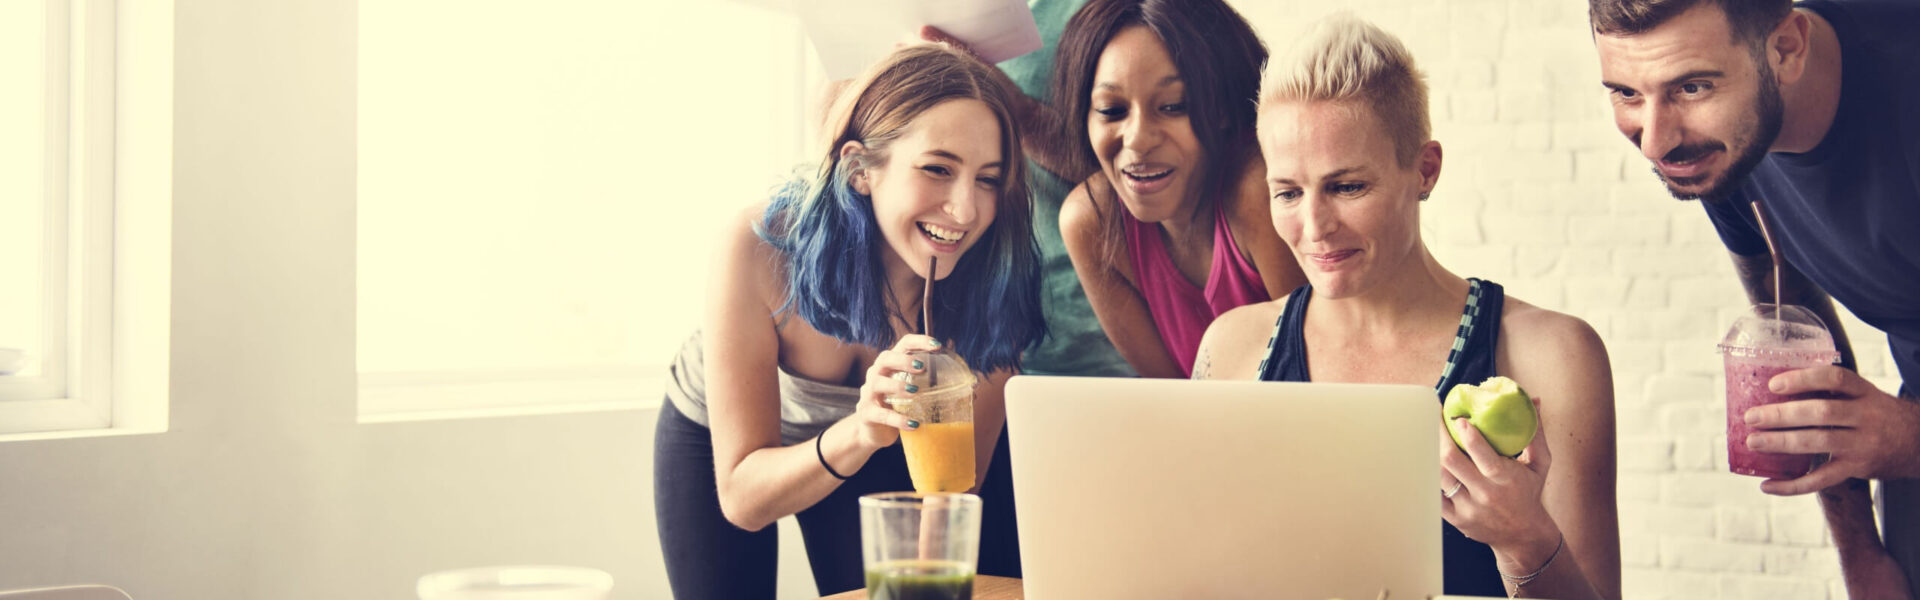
{"x": 823, "y": 456}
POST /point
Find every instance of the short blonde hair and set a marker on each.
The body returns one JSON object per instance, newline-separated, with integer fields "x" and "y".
{"x": 1344, "y": 59}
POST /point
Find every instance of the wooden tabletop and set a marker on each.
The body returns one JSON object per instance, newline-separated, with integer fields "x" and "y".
{"x": 985, "y": 587}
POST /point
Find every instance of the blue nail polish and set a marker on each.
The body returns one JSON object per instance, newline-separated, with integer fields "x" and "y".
{"x": 911, "y": 388}
{"x": 919, "y": 365}
{"x": 934, "y": 343}
{"x": 912, "y": 424}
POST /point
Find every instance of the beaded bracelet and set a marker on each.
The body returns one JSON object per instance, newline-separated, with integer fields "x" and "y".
{"x": 1523, "y": 579}
{"x": 823, "y": 458}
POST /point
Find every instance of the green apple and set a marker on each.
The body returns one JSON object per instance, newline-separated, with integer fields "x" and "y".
{"x": 1498, "y": 408}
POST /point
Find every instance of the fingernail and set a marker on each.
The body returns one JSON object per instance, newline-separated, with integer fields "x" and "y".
{"x": 911, "y": 388}
{"x": 1752, "y": 416}
{"x": 919, "y": 365}
{"x": 933, "y": 343}
{"x": 912, "y": 424}
{"x": 1775, "y": 385}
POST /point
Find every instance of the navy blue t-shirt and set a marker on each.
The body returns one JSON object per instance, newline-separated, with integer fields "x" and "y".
{"x": 1847, "y": 213}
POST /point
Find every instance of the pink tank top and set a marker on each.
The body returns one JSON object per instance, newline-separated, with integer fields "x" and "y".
{"x": 1180, "y": 310}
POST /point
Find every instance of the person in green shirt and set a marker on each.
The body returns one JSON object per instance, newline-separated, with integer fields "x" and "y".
{"x": 1075, "y": 344}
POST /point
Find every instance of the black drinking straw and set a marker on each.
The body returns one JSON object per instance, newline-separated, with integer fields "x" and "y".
{"x": 1766, "y": 233}
{"x": 926, "y": 313}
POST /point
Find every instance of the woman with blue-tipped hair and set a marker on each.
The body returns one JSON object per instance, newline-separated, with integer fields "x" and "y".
{"x": 777, "y": 405}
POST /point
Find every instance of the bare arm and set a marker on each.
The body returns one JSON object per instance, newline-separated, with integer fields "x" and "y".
{"x": 1252, "y": 225}
{"x": 759, "y": 481}
{"x": 1117, "y": 303}
{"x": 1042, "y": 132}
{"x": 1563, "y": 363}
{"x": 1043, "y": 135}
{"x": 1549, "y": 514}
{"x": 1865, "y": 564}
{"x": 989, "y": 417}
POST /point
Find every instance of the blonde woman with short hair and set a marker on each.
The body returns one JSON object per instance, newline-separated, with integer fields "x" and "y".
{"x": 1349, "y": 161}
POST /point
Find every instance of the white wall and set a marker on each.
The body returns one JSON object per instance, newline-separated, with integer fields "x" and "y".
{"x": 1541, "y": 193}
{"x": 266, "y": 488}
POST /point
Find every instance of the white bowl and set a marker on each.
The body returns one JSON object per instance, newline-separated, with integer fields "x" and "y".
{"x": 12, "y": 360}
{"x": 516, "y": 582}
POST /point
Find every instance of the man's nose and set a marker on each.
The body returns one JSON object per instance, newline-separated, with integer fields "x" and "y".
{"x": 1660, "y": 130}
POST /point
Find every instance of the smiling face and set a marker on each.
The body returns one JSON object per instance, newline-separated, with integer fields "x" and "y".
{"x": 1137, "y": 124}
{"x": 1693, "y": 99}
{"x": 1340, "y": 198}
{"x": 935, "y": 193}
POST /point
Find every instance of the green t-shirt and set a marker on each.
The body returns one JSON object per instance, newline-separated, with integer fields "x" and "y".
{"x": 1075, "y": 344}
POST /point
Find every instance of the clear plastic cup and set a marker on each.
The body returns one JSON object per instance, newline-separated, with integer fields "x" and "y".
{"x": 940, "y": 451}
{"x": 920, "y": 546}
{"x": 1769, "y": 340}
{"x": 527, "y": 582}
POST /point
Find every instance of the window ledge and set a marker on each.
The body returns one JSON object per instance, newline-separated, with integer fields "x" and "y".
{"x": 552, "y": 408}
{"x": 429, "y": 396}
{"x": 105, "y": 432}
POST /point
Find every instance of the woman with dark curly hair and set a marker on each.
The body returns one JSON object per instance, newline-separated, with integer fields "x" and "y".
{"x": 1171, "y": 228}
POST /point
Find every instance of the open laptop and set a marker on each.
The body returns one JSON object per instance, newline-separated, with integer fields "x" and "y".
{"x": 1133, "y": 488}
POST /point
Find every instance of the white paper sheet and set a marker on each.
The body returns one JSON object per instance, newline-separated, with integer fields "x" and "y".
{"x": 850, "y": 35}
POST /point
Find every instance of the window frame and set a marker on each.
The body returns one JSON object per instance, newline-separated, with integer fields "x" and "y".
{"x": 108, "y": 192}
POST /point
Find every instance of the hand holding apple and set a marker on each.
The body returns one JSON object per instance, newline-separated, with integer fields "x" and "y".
{"x": 1499, "y": 409}
{"x": 1496, "y": 500}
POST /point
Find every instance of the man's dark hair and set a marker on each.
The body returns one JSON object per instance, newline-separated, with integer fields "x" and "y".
{"x": 1752, "y": 20}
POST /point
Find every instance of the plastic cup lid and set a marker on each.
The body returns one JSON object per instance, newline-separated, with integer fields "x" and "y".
{"x": 1777, "y": 329}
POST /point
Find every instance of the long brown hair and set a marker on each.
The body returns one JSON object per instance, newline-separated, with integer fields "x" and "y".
{"x": 1219, "y": 59}
{"x": 832, "y": 244}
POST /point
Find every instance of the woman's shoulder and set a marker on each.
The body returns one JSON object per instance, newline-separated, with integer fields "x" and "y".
{"x": 745, "y": 259}
{"x": 741, "y": 234}
{"x": 1524, "y": 324}
{"x": 1555, "y": 348}
{"x": 1081, "y": 223}
{"x": 1231, "y": 348}
{"x": 1249, "y": 185}
{"x": 1249, "y": 322}
{"x": 1085, "y": 202}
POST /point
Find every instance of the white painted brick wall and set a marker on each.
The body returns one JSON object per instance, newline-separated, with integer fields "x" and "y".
{"x": 1541, "y": 193}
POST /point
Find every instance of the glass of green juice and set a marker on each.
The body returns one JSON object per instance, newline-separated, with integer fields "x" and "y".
{"x": 920, "y": 546}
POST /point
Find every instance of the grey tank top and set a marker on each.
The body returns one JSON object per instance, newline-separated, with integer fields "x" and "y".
{"x": 807, "y": 407}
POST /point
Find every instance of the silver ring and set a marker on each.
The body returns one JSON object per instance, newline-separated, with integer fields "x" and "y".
{"x": 1456, "y": 489}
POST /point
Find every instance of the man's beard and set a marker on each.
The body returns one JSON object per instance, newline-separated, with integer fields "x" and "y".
{"x": 1763, "y": 126}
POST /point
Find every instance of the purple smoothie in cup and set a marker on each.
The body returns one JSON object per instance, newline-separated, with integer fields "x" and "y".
{"x": 1768, "y": 340}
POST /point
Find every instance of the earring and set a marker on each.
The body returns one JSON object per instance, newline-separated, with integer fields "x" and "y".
{"x": 1423, "y": 195}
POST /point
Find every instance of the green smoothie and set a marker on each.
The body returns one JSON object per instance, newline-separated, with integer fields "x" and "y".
{"x": 920, "y": 580}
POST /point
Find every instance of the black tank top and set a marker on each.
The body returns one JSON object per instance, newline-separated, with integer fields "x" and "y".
{"x": 1469, "y": 568}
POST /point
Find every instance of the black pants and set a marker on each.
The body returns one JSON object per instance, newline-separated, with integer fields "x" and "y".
{"x": 708, "y": 557}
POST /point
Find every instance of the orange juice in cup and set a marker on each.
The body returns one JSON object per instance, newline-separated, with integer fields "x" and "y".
{"x": 940, "y": 451}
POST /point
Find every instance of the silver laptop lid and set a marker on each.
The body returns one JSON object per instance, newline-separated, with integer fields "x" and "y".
{"x": 1134, "y": 488}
